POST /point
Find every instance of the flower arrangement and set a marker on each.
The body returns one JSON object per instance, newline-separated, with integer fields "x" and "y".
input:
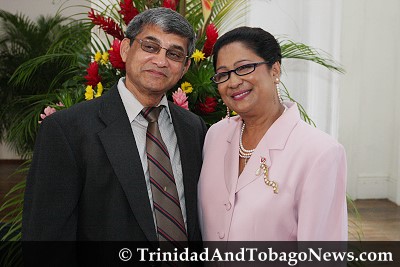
{"x": 194, "y": 91}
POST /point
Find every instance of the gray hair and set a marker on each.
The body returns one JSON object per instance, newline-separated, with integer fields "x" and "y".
{"x": 168, "y": 20}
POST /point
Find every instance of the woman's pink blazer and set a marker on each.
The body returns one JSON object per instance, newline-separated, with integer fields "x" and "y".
{"x": 309, "y": 167}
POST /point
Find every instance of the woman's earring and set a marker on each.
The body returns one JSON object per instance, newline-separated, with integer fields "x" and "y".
{"x": 278, "y": 90}
{"x": 228, "y": 113}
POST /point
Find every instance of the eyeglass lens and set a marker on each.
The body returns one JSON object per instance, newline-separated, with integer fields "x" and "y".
{"x": 154, "y": 48}
{"x": 240, "y": 71}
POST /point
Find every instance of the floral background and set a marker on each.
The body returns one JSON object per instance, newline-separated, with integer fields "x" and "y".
{"x": 194, "y": 92}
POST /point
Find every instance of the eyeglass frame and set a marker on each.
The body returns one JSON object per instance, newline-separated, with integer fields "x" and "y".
{"x": 254, "y": 65}
{"x": 140, "y": 41}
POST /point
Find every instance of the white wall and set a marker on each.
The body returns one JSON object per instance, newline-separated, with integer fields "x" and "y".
{"x": 369, "y": 116}
{"x": 394, "y": 191}
{"x": 315, "y": 23}
{"x": 34, "y": 8}
{"x": 358, "y": 108}
{"x": 6, "y": 153}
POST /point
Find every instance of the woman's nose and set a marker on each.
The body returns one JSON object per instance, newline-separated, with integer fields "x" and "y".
{"x": 234, "y": 80}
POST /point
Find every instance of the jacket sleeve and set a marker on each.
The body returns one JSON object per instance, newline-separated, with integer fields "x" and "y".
{"x": 53, "y": 187}
{"x": 322, "y": 210}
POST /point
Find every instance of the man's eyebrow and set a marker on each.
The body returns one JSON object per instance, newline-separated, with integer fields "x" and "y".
{"x": 152, "y": 38}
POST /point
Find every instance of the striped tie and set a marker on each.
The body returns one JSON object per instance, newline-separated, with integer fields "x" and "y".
{"x": 169, "y": 219}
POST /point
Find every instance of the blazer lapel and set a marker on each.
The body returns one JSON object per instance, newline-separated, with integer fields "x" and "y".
{"x": 231, "y": 160}
{"x": 274, "y": 139}
{"x": 249, "y": 172}
{"x": 120, "y": 146}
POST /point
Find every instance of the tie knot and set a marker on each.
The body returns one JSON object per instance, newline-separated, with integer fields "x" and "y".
{"x": 151, "y": 113}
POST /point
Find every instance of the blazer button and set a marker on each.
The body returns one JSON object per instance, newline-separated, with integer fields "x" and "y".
{"x": 228, "y": 206}
{"x": 221, "y": 235}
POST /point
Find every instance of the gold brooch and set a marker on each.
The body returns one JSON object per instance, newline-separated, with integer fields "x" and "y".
{"x": 264, "y": 169}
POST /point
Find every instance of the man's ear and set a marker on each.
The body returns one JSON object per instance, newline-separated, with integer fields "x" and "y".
{"x": 125, "y": 45}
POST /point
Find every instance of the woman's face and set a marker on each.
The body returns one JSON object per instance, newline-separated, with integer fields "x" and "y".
{"x": 252, "y": 93}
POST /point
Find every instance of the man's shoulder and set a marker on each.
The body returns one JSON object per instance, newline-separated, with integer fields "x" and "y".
{"x": 84, "y": 115}
{"x": 82, "y": 109}
{"x": 183, "y": 114}
{"x": 86, "y": 108}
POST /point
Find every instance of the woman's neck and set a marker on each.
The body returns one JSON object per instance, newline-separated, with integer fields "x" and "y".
{"x": 258, "y": 125}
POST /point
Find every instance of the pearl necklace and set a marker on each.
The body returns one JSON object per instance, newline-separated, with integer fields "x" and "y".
{"x": 244, "y": 153}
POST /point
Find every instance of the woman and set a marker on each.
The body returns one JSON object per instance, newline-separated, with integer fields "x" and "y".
{"x": 266, "y": 175}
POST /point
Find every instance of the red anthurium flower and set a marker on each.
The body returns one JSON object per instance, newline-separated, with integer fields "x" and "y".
{"x": 209, "y": 105}
{"x": 108, "y": 25}
{"x": 93, "y": 77}
{"x": 128, "y": 11}
{"x": 170, "y": 4}
{"x": 212, "y": 36}
{"x": 115, "y": 56}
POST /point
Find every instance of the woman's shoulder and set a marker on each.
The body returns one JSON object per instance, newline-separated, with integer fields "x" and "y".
{"x": 316, "y": 139}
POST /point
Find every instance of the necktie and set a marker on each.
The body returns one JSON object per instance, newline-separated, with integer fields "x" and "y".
{"x": 168, "y": 213}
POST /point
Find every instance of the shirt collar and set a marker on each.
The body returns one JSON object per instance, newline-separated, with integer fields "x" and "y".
{"x": 132, "y": 105}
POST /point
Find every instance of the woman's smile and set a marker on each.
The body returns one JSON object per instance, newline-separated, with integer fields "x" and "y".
{"x": 241, "y": 94}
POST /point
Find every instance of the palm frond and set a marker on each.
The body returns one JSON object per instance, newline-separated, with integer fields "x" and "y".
{"x": 11, "y": 254}
{"x": 15, "y": 30}
{"x": 100, "y": 42}
{"x": 303, "y": 113}
{"x": 355, "y": 226}
{"x": 36, "y": 57}
{"x": 27, "y": 71}
{"x": 301, "y": 51}
{"x": 194, "y": 13}
{"x": 14, "y": 199}
{"x": 140, "y": 5}
{"x": 222, "y": 12}
{"x": 25, "y": 116}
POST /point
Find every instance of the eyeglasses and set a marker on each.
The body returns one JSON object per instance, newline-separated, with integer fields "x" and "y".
{"x": 240, "y": 71}
{"x": 154, "y": 48}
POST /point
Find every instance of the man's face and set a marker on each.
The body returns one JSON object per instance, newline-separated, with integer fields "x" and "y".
{"x": 150, "y": 75}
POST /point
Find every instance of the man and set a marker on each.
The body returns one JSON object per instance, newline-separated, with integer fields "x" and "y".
{"x": 90, "y": 178}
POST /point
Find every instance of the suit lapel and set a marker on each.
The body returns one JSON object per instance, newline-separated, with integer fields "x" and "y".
{"x": 120, "y": 146}
{"x": 184, "y": 131}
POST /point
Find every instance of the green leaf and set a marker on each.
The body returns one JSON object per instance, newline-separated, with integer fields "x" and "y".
{"x": 301, "y": 51}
